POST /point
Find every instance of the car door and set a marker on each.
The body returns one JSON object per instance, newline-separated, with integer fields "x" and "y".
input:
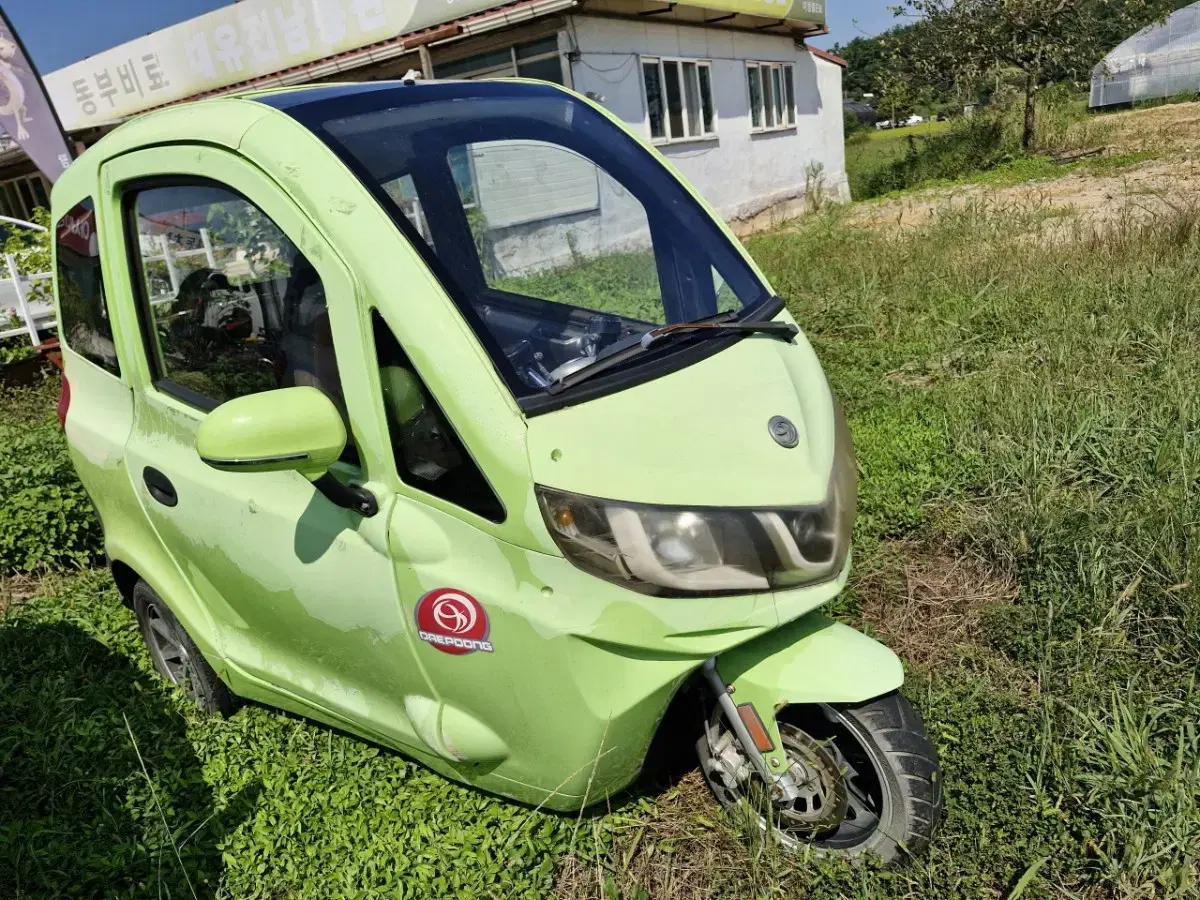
{"x": 237, "y": 293}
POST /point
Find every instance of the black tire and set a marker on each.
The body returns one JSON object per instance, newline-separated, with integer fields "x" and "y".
{"x": 176, "y": 656}
{"x": 885, "y": 791}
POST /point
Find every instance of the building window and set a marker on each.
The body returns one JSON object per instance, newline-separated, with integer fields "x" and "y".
{"x": 772, "y": 92}
{"x": 532, "y": 59}
{"x": 679, "y": 100}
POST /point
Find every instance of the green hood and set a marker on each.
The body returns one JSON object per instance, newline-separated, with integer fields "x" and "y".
{"x": 699, "y": 436}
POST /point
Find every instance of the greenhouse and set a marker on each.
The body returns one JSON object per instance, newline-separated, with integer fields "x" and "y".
{"x": 1160, "y": 60}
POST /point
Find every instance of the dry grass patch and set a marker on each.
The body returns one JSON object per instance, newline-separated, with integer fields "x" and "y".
{"x": 16, "y": 588}
{"x": 926, "y": 604}
{"x": 1173, "y": 128}
{"x": 1058, "y": 209}
{"x": 681, "y": 847}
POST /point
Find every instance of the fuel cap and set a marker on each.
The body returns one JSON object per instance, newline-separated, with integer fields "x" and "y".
{"x": 783, "y": 431}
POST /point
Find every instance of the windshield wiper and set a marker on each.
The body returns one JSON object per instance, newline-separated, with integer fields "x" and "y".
{"x": 785, "y": 330}
{"x": 712, "y": 326}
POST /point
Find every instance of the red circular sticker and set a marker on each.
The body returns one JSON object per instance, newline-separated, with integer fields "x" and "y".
{"x": 453, "y": 621}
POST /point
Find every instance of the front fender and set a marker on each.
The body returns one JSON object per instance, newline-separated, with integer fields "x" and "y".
{"x": 811, "y": 660}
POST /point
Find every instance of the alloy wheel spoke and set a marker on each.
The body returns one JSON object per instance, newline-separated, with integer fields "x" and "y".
{"x": 160, "y": 628}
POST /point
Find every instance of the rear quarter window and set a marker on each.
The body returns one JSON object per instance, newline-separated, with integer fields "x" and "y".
{"x": 84, "y": 324}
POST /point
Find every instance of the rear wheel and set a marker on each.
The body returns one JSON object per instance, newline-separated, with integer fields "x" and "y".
{"x": 175, "y": 655}
{"x": 869, "y": 780}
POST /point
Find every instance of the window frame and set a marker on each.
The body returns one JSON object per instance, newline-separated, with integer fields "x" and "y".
{"x": 782, "y": 114}
{"x": 394, "y": 453}
{"x": 713, "y": 134}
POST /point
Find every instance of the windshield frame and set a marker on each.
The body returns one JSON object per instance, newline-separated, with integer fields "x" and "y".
{"x": 313, "y": 108}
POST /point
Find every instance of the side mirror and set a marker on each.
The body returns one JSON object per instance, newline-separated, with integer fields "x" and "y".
{"x": 296, "y": 428}
{"x": 289, "y": 429}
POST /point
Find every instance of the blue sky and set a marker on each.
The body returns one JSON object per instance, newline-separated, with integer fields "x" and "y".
{"x": 849, "y": 19}
{"x": 59, "y": 32}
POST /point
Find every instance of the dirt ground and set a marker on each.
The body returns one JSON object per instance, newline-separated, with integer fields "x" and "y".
{"x": 1137, "y": 192}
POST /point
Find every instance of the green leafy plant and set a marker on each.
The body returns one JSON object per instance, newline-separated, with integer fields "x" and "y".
{"x": 46, "y": 519}
{"x": 16, "y": 349}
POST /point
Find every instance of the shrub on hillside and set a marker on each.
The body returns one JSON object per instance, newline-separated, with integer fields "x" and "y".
{"x": 989, "y": 138}
{"x": 46, "y": 519}
{"x": 972, "y": 145}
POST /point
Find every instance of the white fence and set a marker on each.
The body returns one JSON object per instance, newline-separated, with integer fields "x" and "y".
{"x": 167, "y": 255}
{"x": 32, "y": 317}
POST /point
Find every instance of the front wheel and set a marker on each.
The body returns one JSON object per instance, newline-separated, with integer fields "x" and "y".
{"x": 870, "y": 783}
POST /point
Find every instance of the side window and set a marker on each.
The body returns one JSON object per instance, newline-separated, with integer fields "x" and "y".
{"x": 231, "y": 306}
{"x": 429, "y": 454}
{"x": 85, "y": 326}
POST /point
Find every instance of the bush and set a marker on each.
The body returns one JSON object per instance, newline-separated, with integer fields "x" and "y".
{"x": 972, "y": 145}
{"x": 46, "y": 519}
{"x": 989, "y": 138}
{"x": 15, "y": 349}
{"x": 853, "y": 126}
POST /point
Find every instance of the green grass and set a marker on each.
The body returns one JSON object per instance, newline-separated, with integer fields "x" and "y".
{"x": 1027, "y": 406}
{"x": 1030, "y": 169}
{"x": 261, "y": 805}
{"x": 924, "y": 129}
{"x": 622, "y": 283}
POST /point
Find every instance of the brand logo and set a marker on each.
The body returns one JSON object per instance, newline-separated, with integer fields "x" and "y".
{"x": 453, "y": 621}
{"x": 783, "y": 431}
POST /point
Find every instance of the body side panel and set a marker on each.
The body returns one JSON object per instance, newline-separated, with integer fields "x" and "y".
{"x": 287, "y": 588}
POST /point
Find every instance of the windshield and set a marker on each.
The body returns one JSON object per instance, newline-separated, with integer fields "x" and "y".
{"x": 559, "y": 235}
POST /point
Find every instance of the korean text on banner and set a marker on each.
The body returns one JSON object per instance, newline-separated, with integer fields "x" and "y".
{"x": 244, "y": 42}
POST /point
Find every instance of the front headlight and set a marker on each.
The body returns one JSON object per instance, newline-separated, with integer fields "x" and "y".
{"x": 677, "y": 551}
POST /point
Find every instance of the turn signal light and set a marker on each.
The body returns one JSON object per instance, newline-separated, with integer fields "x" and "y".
{"x": 754, "y": 724}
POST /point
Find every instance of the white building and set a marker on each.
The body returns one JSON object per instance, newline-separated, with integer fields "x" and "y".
{"x": 728, "y": 91}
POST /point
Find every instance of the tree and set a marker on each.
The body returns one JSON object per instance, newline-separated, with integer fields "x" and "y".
{"x": 1047, "y": 40}
{"x": 866, "y": 58}
{"x": 896, "y": 97}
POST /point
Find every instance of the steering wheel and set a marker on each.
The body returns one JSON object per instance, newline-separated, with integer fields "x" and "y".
{"x": 549, "y": 342}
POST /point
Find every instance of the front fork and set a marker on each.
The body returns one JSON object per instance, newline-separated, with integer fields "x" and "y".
{"x": 809, "y": 660}
{"x": 772, "y": 768}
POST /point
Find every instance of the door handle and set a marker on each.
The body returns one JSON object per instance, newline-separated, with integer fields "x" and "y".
{"x": 159, "y": 486}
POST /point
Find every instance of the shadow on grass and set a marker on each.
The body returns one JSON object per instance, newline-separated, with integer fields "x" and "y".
{"x": 80, "y": 813}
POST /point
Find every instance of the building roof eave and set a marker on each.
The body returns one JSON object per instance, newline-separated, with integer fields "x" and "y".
{"x": 827, "y": 56}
